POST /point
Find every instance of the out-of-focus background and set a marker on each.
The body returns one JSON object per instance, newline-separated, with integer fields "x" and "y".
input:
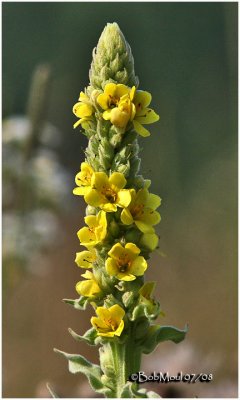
{"x": 186, "y": 56}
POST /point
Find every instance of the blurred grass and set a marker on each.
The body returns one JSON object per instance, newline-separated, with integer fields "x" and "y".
{"x": 186, "y": 56}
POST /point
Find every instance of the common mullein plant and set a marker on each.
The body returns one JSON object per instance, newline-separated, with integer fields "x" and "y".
{"x": 120, "y": 217}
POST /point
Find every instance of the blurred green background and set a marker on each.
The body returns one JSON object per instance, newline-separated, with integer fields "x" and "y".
{"x": 186, "y": 56}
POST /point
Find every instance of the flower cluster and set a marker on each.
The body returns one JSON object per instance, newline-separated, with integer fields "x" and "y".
{"x": 131, "y": 211}
{"x": 119, "y": 104}
{"x": 121, "y": 215}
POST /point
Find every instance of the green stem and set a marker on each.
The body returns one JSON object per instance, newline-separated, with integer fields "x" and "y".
{"x": 126, "y": 359}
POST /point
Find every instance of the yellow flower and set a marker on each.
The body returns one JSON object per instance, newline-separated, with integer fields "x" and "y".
{"x": 141, "y": 210}
{"x": 107, "y": 192}
{"x": 109, "y": 322}
{"x": 83, "y": 110}
{"x": 89, "y": 287}
{"x": 123, "y": 104}
{"x": 96, "y": 230}
{"x": 86, "y": 258}
{"x": 117, "y": 103}
{"x": 125, "y": 262}
{"x": 83, "y": 179}
{"x": 144, "y": 115}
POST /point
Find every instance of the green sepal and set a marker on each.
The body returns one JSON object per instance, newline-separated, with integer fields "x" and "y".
{"x": 157, "y": 334}
{"x": 77, "y": 363}
{"x": 130, "y": 391}
{"x": 128, "y": 298}
{"x": 79, "y": 304}
{"x": 89, "y": 337}
{"x": 149, "y": 309}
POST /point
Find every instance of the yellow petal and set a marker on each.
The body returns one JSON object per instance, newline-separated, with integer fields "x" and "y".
{"x": 144, "y": 227}
{"x": 117, "y": 180}
{"x": 82, "y": 110}
{"x": 149, "y": 240}
{"x": 98, "y": 323}
{"x": 81, "y": 191}
{"x": 126, "y": 217}
{"x": 86, "y": 237}
{"x": 110, "y": 89}
{"x": 84, "y": 259}
{"x": 125, "y": 276}
{"x": 111, "y": 267}
{"x": 116, "y": 251}
{"x": 142, "y": 99}
{"x": 132, "y": 93}
{"x": 93, "y": 198}
{"x": 107, "y": 115}
{"x": 91, "y": 220}
{"x": 149, "y": 216}
{"x": 141, "y": 197}
{"x": 153, "y": 201}
{"x": 87, "y": 288}
{"x": 119, "y": 330}
{"x": 121, "y": 90}
{"x": 109, "y": 207}
{"x": 103, "y": 100}
{"x": 77, "y": 123}
{"x": 147, "y": 116}
{"x": 123, "y": 198}
{"x": 140, "y": 129}
{"x": 99, "y": 181}
{"x": 132, "y": 248}
{"x": 119, "y": 117}
{"x": 117, "y": 313}
{"x": 138, "y": 266}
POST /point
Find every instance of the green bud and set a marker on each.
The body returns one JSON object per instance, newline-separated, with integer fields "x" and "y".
{"x": 112, "y": 60}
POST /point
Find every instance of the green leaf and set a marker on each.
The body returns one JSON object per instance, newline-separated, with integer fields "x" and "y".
{"x": 77, "y": 363}
{"x": 88, "y": 337}
{"x": 130, "y": 390}
{"x": 157, "y": 334}
{"x": 79, "y": 304}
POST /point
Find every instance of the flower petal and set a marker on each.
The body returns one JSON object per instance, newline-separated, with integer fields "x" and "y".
{"x": 93, "y": 198}
{"x": 153, "y": 201}
{"x": 81, "y": 191}
{"x": 84, "y": 259}
{"x": 147, "y": 116}
{"x": 138, "y": 266}
{"x": 103, "y": 100}
{"x": 125, "y": 276}
{"x": 121, "y": 90}
{"x": 119, "y": 330}
{"x": 126, "y": 217}
{"x": 111, "y": 267}
{"x": 87, "y": 288}
{"x": 86, "y": 236}
{"x": 149, "y": 240}
{"x": 118, "y": 180}
{"x": 132, "y": 248}
{"x": 117, "y": 313}
{"x": 140, "y": 129}
{"x": 116, "y": 251}
{"x": 99, "y": 180}
{"x": 82, "y": 110}
{"x": 142, "y": 99}
{"x": 123, "y": 198}
{"x": 107, "y": 115}
{"x": 144, "y": 227}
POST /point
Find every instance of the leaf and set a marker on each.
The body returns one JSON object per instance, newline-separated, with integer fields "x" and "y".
{"x": 77, "y": 363}
{"x": 79, "y": 304}
{"x": 52, "y": 392}
{"x": 130, "y": 390}
{"x": 157, "y": 334}
{"x": 88, "y": 337}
